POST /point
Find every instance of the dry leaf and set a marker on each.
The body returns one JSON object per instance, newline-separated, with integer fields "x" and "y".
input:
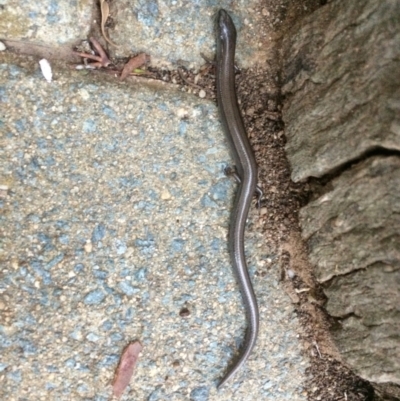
{"x": 105, "y": 12}
{"x": 125, "y": 368}
{"x": 134, "y": 62}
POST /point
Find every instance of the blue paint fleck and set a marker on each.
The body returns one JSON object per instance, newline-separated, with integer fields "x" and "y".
{"x": 15, "y": 71}
{"x": 52, "y": 10}
{"x": 220, "y": 190}
{"x": 147, "y": 12}
{"x": 201, "y": 159}
{"x": 116, "y": 337}
{"x": 146, "y": 245}
{"x": 125, "y": 272}
{"x": 177, "y": 244}
{"x": 3, "y": 95}
{"x": 127, "y": 289}
{"x": 94, "y": 297}
{"x": 157, "y": 395}
{"x": 129, "y": 314}
{"x": 30, "y": 320}
{"x": 109, "y": 112}
{"x": 37, "y": 267}
{"x": 62, "y": 224}
{"x": 15, "y": 375}
{"x": 53, "y": 7}
{"x": 55, "y": 261}
{"x": 143, "y": 205}
{"x": 100, "y": 398}
{"x": 128, "y": 182}
{"x": 82, "y": 388}
{"x": 49, "y": 386}
{"x": 206, "y": 201}
{"x": 49, "y": 161}
{"x": 43, "y": 238}
{"x": 141, "y": 274}
{"x": 34, "y": 218}
{"x": 107, "y": 325}
{"x": 182, "y": 128}
{"x": 28, "y": 347}
{"x": 42, "y": 144}
{"x": 23, "y": 271}
{"x": 184, "y": 298}
{"x": 5, "y": 342}
{"x": 63, "y": 239}
{"x": 92, "y": 337}
{"x": 100, "y": 274}
{"x": 217, "y": 245}
{"x": 199, "y": 394}
{"x": 120, "y": 246}
{"x": 79, "y": 252}
{"x": 109, "y": 360}
{"x": 20, "y": 125}
{"x": 89, "y": 126}
{"x": 78, "y": 268}
{"x": 76, "y": 334}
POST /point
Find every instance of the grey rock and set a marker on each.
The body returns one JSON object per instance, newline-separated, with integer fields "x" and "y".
{"x": 342, "y": 105}
{"x": 353, "y": 237}
{"x": 367, "y": 303}
{"x": 342, "y": 85}
{"x": 356, "y": 223}
{"x": 50, "y": 22}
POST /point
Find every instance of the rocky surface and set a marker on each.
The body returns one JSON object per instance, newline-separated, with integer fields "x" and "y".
{"x": 355, "y": 223}
{"x": 341, "y": 85}
{"x": 352, "y": 232}
{"x": 341, "y": 109}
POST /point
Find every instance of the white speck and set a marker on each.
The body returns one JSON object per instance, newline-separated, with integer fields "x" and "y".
{"x": 165, "y": 195}
{"x": 88, "y": 247}
{"x": 291, "y": 274}
{"x": 2, "y": 47}
{"x": 84, "y": 94}
{"x": 202, "y": 94}
{"x": 46, "y": 69}
{"x": 181, "y": 113}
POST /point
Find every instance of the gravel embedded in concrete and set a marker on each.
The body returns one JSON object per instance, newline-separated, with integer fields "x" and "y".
{"x": 115, "y": 216}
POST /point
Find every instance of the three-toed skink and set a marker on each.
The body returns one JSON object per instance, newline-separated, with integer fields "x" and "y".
{"x": 246, "y": 168}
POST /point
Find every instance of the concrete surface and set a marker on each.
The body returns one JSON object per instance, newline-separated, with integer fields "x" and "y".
{"x": 115, "y": 212}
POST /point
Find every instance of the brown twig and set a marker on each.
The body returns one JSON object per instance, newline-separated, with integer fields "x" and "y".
{"x": 101, "y": 60}
{"x": 188, "y": 82}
